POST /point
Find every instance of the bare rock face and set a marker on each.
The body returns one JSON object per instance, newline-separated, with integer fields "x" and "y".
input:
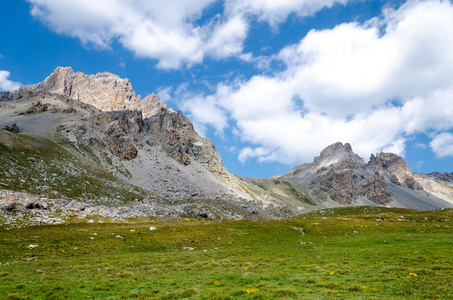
{"x": 175, "y": 134}
{"x": 123, "y": 131}
{"x": 124, "y": 121}
{"x": 445, "y": 177}
{"x": 337, "y": 185}
{"x": 13, "y": 128}
{"x": 374, "y": 189}
{"x": 393, "y": 168}
{"x": 105, "y": 91}
{"x": 339, "y": 154}
{"x": 342, "y": 176}
{"x": 120, "y": 130}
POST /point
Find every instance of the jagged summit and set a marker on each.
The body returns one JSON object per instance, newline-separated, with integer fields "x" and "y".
{"x": 100, "y": 122}
{"x": 338, "y": 153}
{"x": 338, "y": 176}
{"x": 105, "y": 91}
{"x": 393, "y": 168}
{"x": 108, "y": 129}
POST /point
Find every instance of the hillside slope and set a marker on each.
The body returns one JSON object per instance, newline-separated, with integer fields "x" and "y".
{"x": 91, "y": 139}
{"x": 160, "y": 154}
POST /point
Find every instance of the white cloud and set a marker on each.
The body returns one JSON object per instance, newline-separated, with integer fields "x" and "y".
{"x": 261, "y": 153}
{"x": 164, "y": 93}
{"x": 275, "y": 12}
{"x": 227, "y": 38}
{"x": 372, "y": 85}
{"x": 355, "y": 67}
{"x": 442, "y": 144}
{"x": 5, "y": 83}
{"x": 167, "y": 30}
{"x": 203, "y": 111}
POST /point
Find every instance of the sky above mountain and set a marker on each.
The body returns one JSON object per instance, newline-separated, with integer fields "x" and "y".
{"x": 272, "y": 83}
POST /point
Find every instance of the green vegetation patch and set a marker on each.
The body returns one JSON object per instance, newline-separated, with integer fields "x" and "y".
{"x": 43, "y": 167}
{"x": 365, "y": 253}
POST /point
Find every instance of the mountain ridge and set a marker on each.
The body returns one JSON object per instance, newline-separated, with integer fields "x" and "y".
{"x": 101, "y": 122}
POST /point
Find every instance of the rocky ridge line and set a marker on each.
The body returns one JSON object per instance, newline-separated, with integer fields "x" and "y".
{"x": 342, "y": 177}
{"x": 105, "y": 91}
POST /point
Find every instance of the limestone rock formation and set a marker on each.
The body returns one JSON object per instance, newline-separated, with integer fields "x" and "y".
{"x": 120, "y": 130}
{"x": 374, "y": 189}
{"x": 105, "y": 91}
{"x": 340, "y": 177}
{"x": 445, "y": 177}
{"x": 175, "y": 134}
{"x": 339, "y": 154}
{"x": 337, "y": 185}
{"x": 394, "y": 168}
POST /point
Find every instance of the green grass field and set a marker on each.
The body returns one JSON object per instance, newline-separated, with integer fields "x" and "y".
{"x": 349, "y": 253}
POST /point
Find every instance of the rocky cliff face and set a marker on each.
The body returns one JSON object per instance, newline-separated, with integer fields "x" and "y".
{"x": 340, "y": 177}
{"x": 393, "y": 168}
{"x": 105, "y": 91}
{"x": 169, "y": 131}
{"x": 101, "y": 121}
{"x": 175, "y": 134}
{"x": 339, "y": 154}
{"x": 125, "y": 121}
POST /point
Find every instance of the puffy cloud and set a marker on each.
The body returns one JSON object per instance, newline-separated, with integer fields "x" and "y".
{"x": 227, "y": 38}
{"x": 442, "y": 144}
{"x": 353, "y": 67}
{"x": 167, "y": 30}
{"x": 433, "y": 112}
{"x": 372, "y": 85}
{"x": 5, "y": 83}
{"x": 203, "y": 111}
{"x": 261, "y": 153}
{"x": 152, "y": 29}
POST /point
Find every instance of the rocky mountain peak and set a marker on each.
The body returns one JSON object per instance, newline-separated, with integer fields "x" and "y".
{"x": 339, "y": 154}
{"x": 105, "y": 91}
{"x": 394, "y": 168}
{"x": 445, "y": 177}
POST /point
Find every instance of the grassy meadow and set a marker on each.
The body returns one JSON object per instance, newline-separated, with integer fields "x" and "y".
{"x": 347, "y": 253}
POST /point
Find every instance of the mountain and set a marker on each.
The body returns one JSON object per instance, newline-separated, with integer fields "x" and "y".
{"x": 90, "y": 138}
{"x": 87, "y": 144}
{"x": 340, "y": 177}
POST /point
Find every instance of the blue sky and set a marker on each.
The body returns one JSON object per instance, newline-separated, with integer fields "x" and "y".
{"x": 272, "y": 83}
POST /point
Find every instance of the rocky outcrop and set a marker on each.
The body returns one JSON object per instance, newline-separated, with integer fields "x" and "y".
{"x": 339, "y": 154}
{"x": 393, "y": 168}
{"x": 169, "y": 131}
{"x": 125, "y": 121}
{"x": 445, "y": 177}
{"x": 120, "y": 130}
{"x": 105, "y": 91}
{"x": 341, "y": 176}
{"x": 375, "y": 190}
{"x": 13, "y": 128}
{"x": 175, "y": 134}
{"x": 337, "y": 185}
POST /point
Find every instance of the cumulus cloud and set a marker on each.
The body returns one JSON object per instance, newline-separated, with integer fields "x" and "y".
{"x": 372, "y": 85}
{"x": 203, "y": 111}
{"x": 5, "y": 83}
{"x": 442, "y": 144}
{"x": 167, "y": 30}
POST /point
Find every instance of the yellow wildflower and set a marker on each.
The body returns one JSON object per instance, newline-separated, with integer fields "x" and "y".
{"x": 248, "y": 291}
